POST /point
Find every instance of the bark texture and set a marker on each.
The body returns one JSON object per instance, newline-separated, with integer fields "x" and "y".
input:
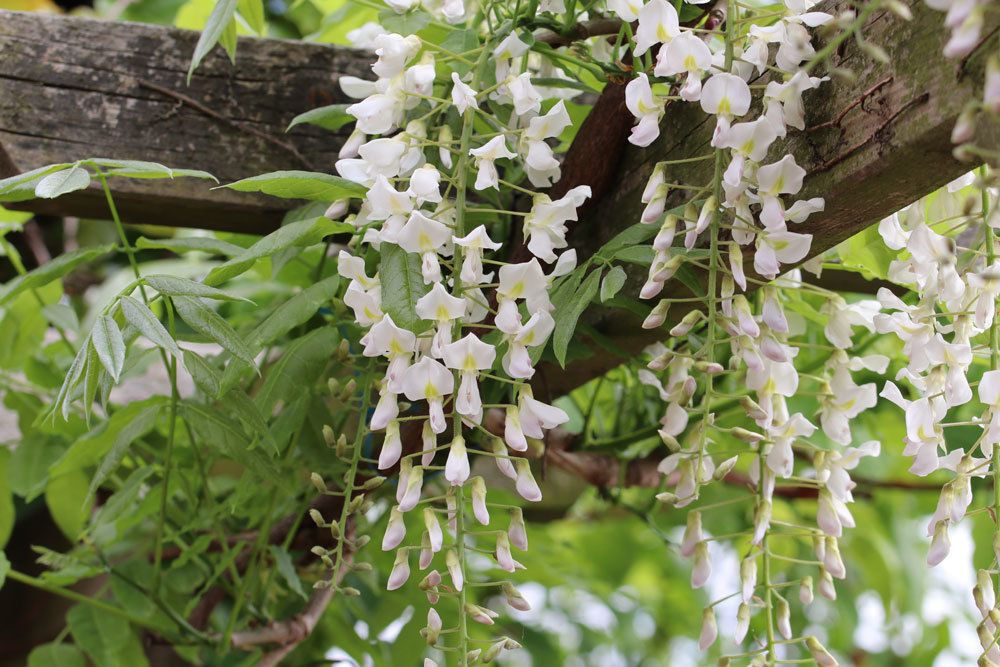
{"x": 73, "y": 88}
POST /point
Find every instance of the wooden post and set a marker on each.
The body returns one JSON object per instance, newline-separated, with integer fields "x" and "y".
{"x": 74, "y": 88}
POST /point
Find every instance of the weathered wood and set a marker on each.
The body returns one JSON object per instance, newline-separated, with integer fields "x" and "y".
{"x": 889, "y": 150}
{"x": 74, "y": 88}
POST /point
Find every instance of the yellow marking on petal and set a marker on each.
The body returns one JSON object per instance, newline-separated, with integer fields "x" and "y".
{"x": 430, "y": 391}
{"x": 442, "y": 313}
{"x": 690, "y": 64}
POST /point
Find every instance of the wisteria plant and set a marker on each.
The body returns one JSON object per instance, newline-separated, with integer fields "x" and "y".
{"x": 385, "y": 344}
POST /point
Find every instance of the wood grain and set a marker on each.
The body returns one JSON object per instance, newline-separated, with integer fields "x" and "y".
{"x": 73, "y": 88}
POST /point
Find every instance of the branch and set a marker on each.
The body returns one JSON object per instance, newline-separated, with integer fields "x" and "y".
{"x": 580, "y": 31}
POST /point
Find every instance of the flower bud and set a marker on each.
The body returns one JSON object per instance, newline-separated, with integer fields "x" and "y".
{"x": 761, "y": 521}
{"x": 328, "y": 437}
{"x": 526, "y": 485}
{"x": 702, "y": 566}
{"x": 826, "y": 587}
{"x": 742, "y": 623}
{"x": 400, "y": 570}
{"x": 426, "y": 553}
{"x": 480, "y": 614}
{"x": 504, "y": 558}
{"x": 516, "y": 531}
{"x": 940, "y": 544}
{"x": 433, "y": 529}
{"x": 991, "y": 91}
{"x": 748, "y": 578}
{"x": 709, "y": 629}
{"x": 514, "y": 597}
{"x": 806, "y": 590}
{"x": 317, "y": 518}
{"x": 454, "y": 569}
{"x": 784, "y": 618}
{"x": 692, "y": 534}
{"x": 433, "y": 629}
{"x": 965, "y": 126}
{"x": 686, "y": 324}
{"x": 819, "y": 653}
{"x": 395, "y": 530}
{"x": 456, "y": 469}
{"x": 657, "y": 316}
{"x": 479, "y": 509}
{"x": 412, "y": 489}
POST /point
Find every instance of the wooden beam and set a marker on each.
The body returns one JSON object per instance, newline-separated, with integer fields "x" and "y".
{"x": 891, "y": 147}
{"x": 73, "y": 88}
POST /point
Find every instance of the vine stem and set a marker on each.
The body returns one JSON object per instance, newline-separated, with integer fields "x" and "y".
{"x": 994, "y": 339}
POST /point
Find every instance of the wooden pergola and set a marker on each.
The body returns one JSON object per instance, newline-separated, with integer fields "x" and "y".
{"x": 74, "y": 88}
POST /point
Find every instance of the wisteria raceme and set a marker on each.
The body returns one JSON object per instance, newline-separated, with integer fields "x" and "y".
{"x": 455, "y": 148}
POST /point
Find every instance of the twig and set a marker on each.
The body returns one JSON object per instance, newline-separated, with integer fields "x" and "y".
{"x": 211, "y": 113}
{"x": 580, "y": 31}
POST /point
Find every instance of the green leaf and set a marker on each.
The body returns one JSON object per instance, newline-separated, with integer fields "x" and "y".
{"x": 184, "y": 244}
{"x": 56, "y": 655}
{"x": 567, "y": 317}
{"x": 61, "y": 315}
{"x": 22, "y": 186}
{"x": 638, "y": 254}
{"x": 635, "y": 235}
{"x": 102, "y": 636}
{"x": 406, "y": 23}
{"x": 92, "y": 447}
{"x": 4, "y": 568}
{"x": 298, "y": 367}
{"x": 219, "y": 431}
{"x": 221, "y": 18}
{"x": 251, "y": 417}
{"x": 331, "y": 117}
{"x": 252, "y": 12}
{"x": 301, "y": 185}
{"x": 72, "y": 379}
{"x": 296, "y": 311}
{"x": 63, "y": 182}
{"x": 299, "y": 233}
{"x": 206, "y": 377}
{"x": 867, "y": 254}
{"x": 30, "y": 462}
{"x": 65, "y": 497}
{"x": 177, "y": 286}
{"x": 142, "y": 318}
{"x": 139, "y": 425}
{"x": 7, "y": 515}
{"x": 287, "y": 570}
{"x": 209, "y": 323}
{"x": 402, "y": 285}
{"x": 50, "y": 271}
{"x": 109, "y": 345}
{"x": 612, "y": 283}
{"x": 147, "y": 170}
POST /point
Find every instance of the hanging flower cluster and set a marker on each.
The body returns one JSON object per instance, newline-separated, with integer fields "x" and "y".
{"x": 462, "y": 315}
{"x": 446, "y": 142}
